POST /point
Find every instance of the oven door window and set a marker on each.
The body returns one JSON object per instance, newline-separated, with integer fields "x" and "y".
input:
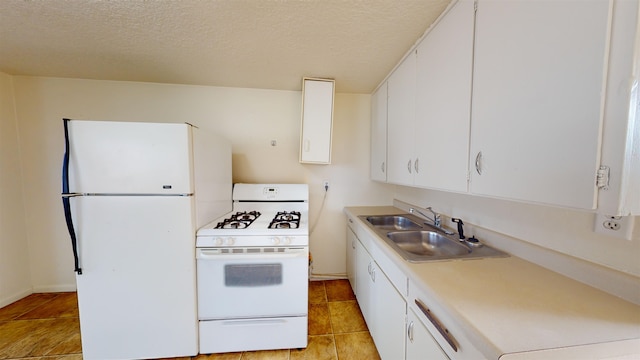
{"x": 252, "y": 275}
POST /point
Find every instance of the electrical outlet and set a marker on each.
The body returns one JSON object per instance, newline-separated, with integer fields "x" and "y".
{"x": 325, "y": 185}
{"x": 614, "y": 226}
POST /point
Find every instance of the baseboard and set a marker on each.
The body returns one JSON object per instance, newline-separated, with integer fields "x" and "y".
{"x": 54, "y": 288}
{"x": 320, "y": 277}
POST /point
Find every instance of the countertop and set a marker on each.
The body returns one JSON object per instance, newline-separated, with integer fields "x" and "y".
{"x": 511, "y": 306}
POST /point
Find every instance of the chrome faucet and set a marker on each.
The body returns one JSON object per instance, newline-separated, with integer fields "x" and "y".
{"x": 437, "y": 221}
{"x": 436, "y": 217}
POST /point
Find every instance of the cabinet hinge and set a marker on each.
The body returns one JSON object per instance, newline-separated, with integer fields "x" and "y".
{"x": 602, "y": 177}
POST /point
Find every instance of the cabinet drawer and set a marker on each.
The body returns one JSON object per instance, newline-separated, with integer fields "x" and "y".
{"x": 448, "y": 333}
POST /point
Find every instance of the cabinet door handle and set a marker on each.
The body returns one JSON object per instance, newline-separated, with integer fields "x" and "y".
{"x": 382, "y": 167}
{"x": 409, "y": 166}
{"x": 410, "y": 331}
{"x": 373, "y": 274}
{"x": 479, "y": 163}
{"x": 415, "y": 165}
{"x": 441, "y": 329}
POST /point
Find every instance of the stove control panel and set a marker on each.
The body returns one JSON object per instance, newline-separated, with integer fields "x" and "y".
{"x": 250, "y": 241}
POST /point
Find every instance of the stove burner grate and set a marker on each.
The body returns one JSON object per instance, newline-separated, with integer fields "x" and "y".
{"x": 239, "y": 220}
{"x": 285, "y": 220}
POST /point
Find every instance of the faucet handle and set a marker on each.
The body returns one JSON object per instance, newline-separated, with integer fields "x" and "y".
{"x": 460, "y": 229}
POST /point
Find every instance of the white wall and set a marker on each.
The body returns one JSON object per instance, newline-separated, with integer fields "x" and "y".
{"x": 15, "y": 278}
{"x": 249, "y": 118}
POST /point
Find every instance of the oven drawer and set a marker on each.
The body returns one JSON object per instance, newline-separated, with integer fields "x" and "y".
{"x": 218, "y": 336}
{"x": 252, "y": 284}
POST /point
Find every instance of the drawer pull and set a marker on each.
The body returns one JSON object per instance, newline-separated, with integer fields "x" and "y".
{"x": 441, "y": 329}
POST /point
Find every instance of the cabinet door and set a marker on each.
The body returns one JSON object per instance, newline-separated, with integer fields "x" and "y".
{"x": 317, "y": 121}
{"x": 388, "y": 309}
{"x": 443, "y": 101}
{"x": 351, "y": 257}
{"x": 379, "y": 134}
{"x": 537, "y": 98}
{"x": 401, "y": 88}
{"x": 364, "y": 290}
{"x": 420, "y": 344}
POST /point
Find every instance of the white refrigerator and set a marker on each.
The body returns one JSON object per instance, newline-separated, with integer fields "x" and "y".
{"x": 134, "y": 195}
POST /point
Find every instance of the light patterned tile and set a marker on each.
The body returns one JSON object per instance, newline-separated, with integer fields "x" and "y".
{"x": 266, "y": 355}
{"x": 346, "y": 317}
{"x": 321, "y": 347}
{"x": 53, "y": 331}
{"x": 70, "y": 345}
{"x": 339, "y": 290}
{"x": 319, "y": 319}
{"x": 62, "y": 305}
{"x": 24, "y": 305}
{"x": 36, "y": 337}
{"x": 317, "y": 293}
{"x": 356, "y": 346}
{"x": 224, "y": 356}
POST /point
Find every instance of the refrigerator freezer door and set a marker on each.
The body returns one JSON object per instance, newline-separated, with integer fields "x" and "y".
{"x": 107, "y": 157}
{"x": 136, "y": 295}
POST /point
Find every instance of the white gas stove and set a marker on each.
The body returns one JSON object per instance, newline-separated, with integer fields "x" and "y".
{"x": 252, "y": 267}
{"x": 263, "y": 215}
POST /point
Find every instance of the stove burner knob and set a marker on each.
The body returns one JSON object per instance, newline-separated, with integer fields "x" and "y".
{"x": 275, "y": 240}
{"x": 219, "y": 241}
{"x": 229, "y": 241}
{"x": 287, "y": 240}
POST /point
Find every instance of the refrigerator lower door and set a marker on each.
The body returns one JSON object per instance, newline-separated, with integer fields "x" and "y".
{"x": 136, "y": 294}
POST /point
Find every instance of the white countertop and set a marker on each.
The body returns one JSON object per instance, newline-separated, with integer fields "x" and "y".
{"x": 509, "y": 305}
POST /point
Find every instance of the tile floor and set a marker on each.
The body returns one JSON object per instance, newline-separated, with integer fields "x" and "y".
{"x": 45, "y": 327}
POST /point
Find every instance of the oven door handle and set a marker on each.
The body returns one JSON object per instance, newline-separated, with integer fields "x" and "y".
{"x": 210, "y": 254}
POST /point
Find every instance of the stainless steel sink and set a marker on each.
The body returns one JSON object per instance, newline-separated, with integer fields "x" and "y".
{"x": 393, "y": 222}
{"x": 428, "y": 243}
{"x": 418, "y": 243}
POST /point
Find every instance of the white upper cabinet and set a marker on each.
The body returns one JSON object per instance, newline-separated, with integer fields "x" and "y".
{"x": 379, "y": 134}
{"x": 621, "y": 132}
{"x": 401, "y": 87}
{"x": 443, "y": 101}
{"x": 538, "y": 86}
{"x": 317, "y": 121}
{"x": 534, "y": 101}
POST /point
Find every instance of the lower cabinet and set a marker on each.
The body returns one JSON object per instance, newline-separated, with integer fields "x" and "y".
{"x": 398, "y": 328}
{"x": 382, "y": 306}
{"x": 352, "y": 239}
{"x": 420, "y": 344}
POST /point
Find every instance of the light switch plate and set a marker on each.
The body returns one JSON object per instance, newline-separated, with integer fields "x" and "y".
{"x": 614, "y": 226}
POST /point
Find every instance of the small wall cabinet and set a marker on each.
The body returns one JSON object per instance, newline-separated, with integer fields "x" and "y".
{"x": 317, "y": 120}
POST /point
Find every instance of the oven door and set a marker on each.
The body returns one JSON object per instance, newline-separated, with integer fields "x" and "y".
{"x": 255, "y": 283}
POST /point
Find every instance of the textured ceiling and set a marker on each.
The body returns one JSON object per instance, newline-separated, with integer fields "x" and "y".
{"x": 267, "y": 44}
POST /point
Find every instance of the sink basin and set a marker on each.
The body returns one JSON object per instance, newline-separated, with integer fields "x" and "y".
{"x": 418, "y": 244}
{"x": 427, "y": 243}
{"x": 393, "y": 222}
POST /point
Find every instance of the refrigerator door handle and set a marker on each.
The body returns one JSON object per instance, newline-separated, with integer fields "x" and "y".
{"x": 72, "y": 234}
{"x": 65, "y": 199}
